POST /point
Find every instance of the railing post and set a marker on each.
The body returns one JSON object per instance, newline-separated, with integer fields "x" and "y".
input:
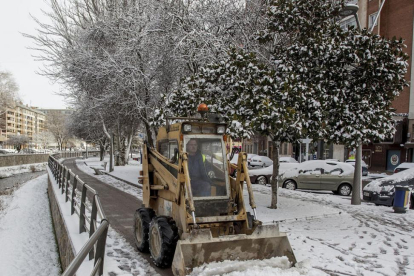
{"x": 100, "y": 248}
{"x": 82, "y": 210}
{"x": 64, "y": 179}
{"x": 60, "y": 175}
{"x": 74, "y": 186}
{"x": 67, "y": 185}
{"x": 92, "y": 224}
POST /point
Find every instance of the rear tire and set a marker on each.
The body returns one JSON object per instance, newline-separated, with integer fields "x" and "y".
{"x": 142, "y": 220}
{"x": 290, "y": 185}
{"x": 163, "y": 236}
{"x": 345, "y": 189}
{"x": 261, "y": 180}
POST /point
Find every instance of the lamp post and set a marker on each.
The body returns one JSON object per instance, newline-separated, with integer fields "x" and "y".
{"x": 352, "y": 9}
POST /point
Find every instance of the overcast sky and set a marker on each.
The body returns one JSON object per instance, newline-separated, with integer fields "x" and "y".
{"x": 15, "y": 19}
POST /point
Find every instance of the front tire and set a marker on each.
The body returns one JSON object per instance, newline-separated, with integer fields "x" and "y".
{"x": 142, "y": 220}
{"x": 261, "y": 180}
{"x": 163, "y": 236}
{"x": 345, "y": 190}
{"x": 290, "y": 185}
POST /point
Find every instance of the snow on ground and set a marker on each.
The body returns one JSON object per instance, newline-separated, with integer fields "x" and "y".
{"x": 329, "y": 236}
{"x": 357, "y": 240}
{"x": 127, "y": 172}
{"x": 13, "y": 170}
{"x": 27, "y": 242}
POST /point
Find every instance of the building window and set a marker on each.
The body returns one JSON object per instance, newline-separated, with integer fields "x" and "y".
{"x": 372, "y": 19}
{"x": 346, "y": 23}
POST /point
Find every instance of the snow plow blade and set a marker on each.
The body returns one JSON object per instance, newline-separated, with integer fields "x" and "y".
{"x": 200, "y": 247}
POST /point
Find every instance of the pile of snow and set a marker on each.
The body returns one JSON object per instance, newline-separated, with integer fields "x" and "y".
{"x": 13, "y": 170}
{"x": 279, "y": 266}
{"x": 375, "y": 186}
{"x": 328, "y": 166}
{"x": 27, "y": 241}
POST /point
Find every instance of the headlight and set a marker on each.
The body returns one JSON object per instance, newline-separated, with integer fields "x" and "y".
{"x": 221, "y": 129}
{"x": 187, "y": 128}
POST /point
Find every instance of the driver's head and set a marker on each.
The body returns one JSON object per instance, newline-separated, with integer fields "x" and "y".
{"x": 192, "y": 147}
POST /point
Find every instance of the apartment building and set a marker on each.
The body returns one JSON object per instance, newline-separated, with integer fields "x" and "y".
{"x": 22, "y": 120}
{"x": 396, "y": 19}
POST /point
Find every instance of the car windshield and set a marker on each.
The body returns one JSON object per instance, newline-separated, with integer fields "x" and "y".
{"x": 207, "y": 165}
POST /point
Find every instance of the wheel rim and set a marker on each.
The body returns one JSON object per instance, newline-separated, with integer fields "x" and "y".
{"x": 262, "y": 180}
{"x": 155, "y": 242}
{"x": 345, "y": 190}
{"x": 138, "y": 230}
{"x": 290, "y": 185}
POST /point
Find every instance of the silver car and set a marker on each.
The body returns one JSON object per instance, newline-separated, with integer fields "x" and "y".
{"x": 320, "y": 175}
{"x": 261, "y": 161}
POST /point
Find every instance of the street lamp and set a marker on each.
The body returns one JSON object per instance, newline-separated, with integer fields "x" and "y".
{"x": 351, "y": 9}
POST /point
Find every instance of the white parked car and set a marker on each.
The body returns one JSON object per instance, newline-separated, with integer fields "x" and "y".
{"x": 261, "y": 161}
{"x": 403, "y": 166}
{"x": 287, "y": 160}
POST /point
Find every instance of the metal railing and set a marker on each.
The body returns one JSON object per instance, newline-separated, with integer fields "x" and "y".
{"x": 91, "y": 216}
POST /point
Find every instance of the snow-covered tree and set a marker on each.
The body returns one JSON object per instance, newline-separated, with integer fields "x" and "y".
{"x": 282, "y": 99}
{"x": 17, "y": 141}
{"x": 43, "y": 139}
{"x": 371, "y": 74}
{"x": 56, "y": 123}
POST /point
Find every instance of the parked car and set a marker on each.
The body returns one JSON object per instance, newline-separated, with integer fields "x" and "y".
{"x": 263, "y": 175}
{"x": 2, "y": 151}
{"x": 30, "y": 151}
{"x": 320, "y": 175}
{"x": 403, "y": 166}
{"x": 249, "y": 157}
{"x": 363, "y": 165}
{"x": 235, "y": 159}
{"x": 8, "y": 151}
{"x": 381, "y": 191}
{"x": 287, "y": 160}
{"x": 261, "y": 161}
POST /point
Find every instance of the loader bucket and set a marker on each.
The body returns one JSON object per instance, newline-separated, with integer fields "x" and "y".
{"x": 200, "y": 247}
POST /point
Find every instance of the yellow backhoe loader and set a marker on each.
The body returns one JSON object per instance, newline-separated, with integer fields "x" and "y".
{"x": 194, "y": 212}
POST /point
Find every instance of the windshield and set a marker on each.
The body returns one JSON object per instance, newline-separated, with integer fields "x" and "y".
{"x": 206, "y": 165}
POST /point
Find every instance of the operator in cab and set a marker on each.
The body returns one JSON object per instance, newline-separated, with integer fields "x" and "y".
{"x": 200, "y": 182}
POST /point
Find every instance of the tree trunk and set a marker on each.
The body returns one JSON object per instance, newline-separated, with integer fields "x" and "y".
{"x": 274, "y": 182}
{"x": 101, "y": 152}
{"x": 128, "y": 147}
{"x": 111, "y": 158}
{"x": 111, "y": 143}
{"x": 356, "y": 189}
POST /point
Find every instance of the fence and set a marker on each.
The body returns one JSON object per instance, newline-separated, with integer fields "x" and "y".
{"x": 76, "y": 191}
